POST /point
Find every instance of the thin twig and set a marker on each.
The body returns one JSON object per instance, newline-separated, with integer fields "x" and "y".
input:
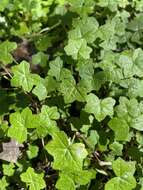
{"x": 43, "y": 144}
{"x": 7, "y": 71}
{"x": 15, "y": 61}
{"x": 44, "y": 30}
{"x": 47, "y": 29}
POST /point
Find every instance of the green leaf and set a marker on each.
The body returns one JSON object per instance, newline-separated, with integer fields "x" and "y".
{"x": 3, "y": 183}
{"x": 85, "y": 69}
{"x": 6, "y": 48}
{"x": 131, "y": 63}
{"x": 106, "y": 33}
{"x": 93, "y": 138}
{"x": 69, "y": 180}
{"x": 139, "y": 138}
{"x": 100, "y": 108}
{"x": 130, "y": 111}
{"x": 77, "y": 48}
{"x": 121, "y": 183}
{"x": 133, "y": 87}
{"x": 55, "y": 68}
{"x": 120, "y": 127}
{"x": 21, "y": 30}
{"x": 40, "y": 42}
{"x": 128, "y": 107}
{"x": 87, "y": 27}
{"x": 40, "y": 91}
{"x": 50, "y": 84}
{"x": 46, "y": 121}
{"x": 18, "y": 133}
{"x": 20, "y": 122}
{"x": 124, "y": 172}
{"x": 137, "y": 123}
{"x": 40, "y": 59}
{"x": 72, "y": 91}
{"x": 66, "y": 155}
{"x": 3, "y": 129}
{"x": 33, "y": 180}
{"x": 69, "y": 89}
{"x": 84, "y": 176}
{"x": 136, "y": 24}
{"x": 65, "y": 182}
{"x": 116, "y": 148}
{"x": 92, "y": 82}
{"x": 8, "y": 169}
{"x": 32, "y": 151}
{"x": 23, "y": 78}
{"x": 121, "y": 167}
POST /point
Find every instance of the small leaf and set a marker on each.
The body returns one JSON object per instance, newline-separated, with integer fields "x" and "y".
{"x": 77, "y": 48}
{"x": 116, "y": 148}
{"x": 40, "y": 59}
{"x": 33, "y": 180}
{"x": 93, "y": 138}
{"x": 46, "y": 121}
{"x": 139, "y": 138}
{"x": 121, "y": 167}
{"x": 85, "y": 69}
{"x": 20, "y": 122}
{"x": 40, "y": 91}
{"x": 137, "y": 123}
{"x": 50, "y": 84}
{"x": 8, "y": 169}
{"x": 87, "y": 26}
{"x": 120, "y": 127}
{"x": 130, "y": 111}
{"x": 3, "y": 183}
{"x": 23, "y": 78}
{"x": 32, "y": 151}
{"x": 131, "y": 63}
{"x": 121, "y": 183}
{"x": 125, "y": 180}
{"x": 84, "y": 176}
{"x": 100, "y": 108}
{"x": 55, "y": 68}
{"x": 6, "y": 48}
{"x": 72, "y": 92}
{"x": 65, "y": 182}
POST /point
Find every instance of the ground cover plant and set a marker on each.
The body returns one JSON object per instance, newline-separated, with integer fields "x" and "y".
{"x": 71, "y": 94}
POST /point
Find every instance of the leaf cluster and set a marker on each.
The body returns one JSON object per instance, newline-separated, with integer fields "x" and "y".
{"x": 71, "y": 94}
